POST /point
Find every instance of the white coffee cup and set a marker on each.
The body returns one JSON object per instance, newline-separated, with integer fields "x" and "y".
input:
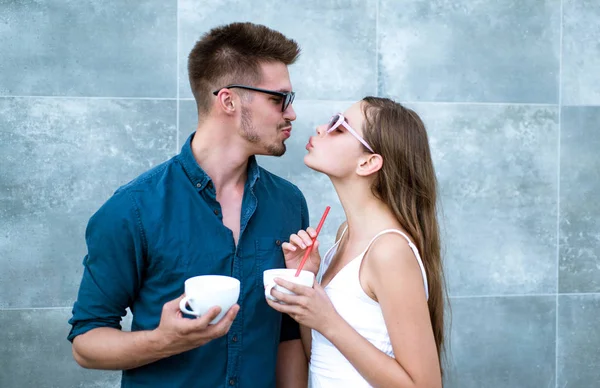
{"x": 305, "y": 278}
{"x": 204, "y": 292}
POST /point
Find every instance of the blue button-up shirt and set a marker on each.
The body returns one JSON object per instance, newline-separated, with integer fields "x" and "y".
{"x": 166, "y": 226}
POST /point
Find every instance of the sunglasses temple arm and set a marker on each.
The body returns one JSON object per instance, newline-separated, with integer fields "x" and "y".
{"x": 357, "y": 136}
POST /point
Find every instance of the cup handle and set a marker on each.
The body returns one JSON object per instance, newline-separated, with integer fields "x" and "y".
{"x": 268, "y": 291}
{"x": 183, "y": 306}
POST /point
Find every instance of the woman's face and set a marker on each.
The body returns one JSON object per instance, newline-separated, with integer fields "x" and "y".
{"x": 337, "y": 152}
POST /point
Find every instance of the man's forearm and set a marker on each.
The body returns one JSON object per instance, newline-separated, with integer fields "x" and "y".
{"x": 110, "y": 348}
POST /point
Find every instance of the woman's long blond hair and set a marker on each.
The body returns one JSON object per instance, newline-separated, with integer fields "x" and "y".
{"x": 408, "y": 185}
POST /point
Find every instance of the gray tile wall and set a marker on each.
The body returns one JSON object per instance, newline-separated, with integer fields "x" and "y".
{"x": 94, "y": 93}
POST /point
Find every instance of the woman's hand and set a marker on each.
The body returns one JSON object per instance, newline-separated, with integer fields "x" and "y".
{"x": 293, "y": 251}
{"x": 310, "y": 307}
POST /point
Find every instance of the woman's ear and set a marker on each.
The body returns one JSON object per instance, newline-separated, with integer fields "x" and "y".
{"x": 369, "y": 164}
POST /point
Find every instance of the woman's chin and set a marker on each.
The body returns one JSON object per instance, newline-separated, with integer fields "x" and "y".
{"x": 312, "y": 164}
{"x": 309, "y": 162}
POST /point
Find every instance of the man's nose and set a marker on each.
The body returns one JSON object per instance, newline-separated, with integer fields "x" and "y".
{"x": 289, "y": 114}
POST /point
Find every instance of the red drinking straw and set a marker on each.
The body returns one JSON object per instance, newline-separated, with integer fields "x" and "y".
{"x": 307, "y": 253}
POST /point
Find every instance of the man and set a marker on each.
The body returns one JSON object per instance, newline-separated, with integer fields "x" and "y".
{"x": 209, "y": 210}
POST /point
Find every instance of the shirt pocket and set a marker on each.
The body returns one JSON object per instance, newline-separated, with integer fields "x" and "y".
{"x": 268, "y": 255}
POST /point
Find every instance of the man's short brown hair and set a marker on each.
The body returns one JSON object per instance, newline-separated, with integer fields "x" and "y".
{"x": 233, "y": 54}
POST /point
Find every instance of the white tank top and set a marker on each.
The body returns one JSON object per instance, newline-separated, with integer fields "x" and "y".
{"x": 328, "y": 367}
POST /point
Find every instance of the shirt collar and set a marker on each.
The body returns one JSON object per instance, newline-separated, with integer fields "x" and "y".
{"x": 196, "y": 174}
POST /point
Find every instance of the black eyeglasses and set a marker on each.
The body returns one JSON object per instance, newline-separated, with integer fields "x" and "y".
{"x": 287, "y": 97}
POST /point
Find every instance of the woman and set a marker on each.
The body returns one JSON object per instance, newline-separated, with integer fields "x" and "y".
{"x": 375, "y": 316}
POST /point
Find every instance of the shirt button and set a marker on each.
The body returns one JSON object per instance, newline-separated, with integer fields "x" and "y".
{"x": 216, "y": 212}
{"x": 198, "y": 185}
{"x": 231, "y": 382}
{"x": 278, "y": 242}
{"x": 234, "y": 338}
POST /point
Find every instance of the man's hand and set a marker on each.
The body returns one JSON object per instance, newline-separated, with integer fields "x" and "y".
{"x": 177, "y": 334}
{"x": 295, "y": 248}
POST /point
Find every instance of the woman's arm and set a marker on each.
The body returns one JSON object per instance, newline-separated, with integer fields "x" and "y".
{"x": 293, "y": 251}
{"x": 392, "y": 273}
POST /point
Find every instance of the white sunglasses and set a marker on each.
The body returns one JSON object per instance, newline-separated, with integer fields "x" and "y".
{"x": 337, "y": 120}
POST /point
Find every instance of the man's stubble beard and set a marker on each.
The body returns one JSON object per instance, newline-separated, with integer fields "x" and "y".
{"x": 250, "y": 133}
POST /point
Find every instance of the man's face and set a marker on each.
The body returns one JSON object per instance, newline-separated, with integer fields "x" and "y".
{"x": 263, "y": 122}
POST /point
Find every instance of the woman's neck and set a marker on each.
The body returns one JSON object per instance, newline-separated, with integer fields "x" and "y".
{"x": 366, "y": 214}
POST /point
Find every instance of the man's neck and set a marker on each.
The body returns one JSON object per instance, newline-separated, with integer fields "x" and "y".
{"x": 221, "y": 156}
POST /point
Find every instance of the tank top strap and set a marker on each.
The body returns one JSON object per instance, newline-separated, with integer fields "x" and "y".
{"x": 326, "y": 259}
{"x": 412, "y": 246}
{"x": 342, "y": 235}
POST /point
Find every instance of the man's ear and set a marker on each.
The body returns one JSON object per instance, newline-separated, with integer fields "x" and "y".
{"x": 369, "y": 164}
{"x": 226, "y": 101}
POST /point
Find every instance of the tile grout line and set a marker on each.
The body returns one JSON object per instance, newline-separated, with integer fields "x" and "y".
{"x": 579, "y": 294}
{"x": 177, "y": 78}
{"x": 297, "y": 100}
{"x": 34, "y": 308}
{"x": 499, "y": 296}
{"x": 477, "y": 103}
{"x": 451, "y": 297}
{"x": 92, "y": 98}
{"x": 377, "y": 48}
{"x": 560, "y": 64}
{"x": 524, "y": 295}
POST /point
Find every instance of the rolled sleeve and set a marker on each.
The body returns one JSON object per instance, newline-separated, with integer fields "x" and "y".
{"x": 290, "y": 329}
{"x": 112, "y": 266}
